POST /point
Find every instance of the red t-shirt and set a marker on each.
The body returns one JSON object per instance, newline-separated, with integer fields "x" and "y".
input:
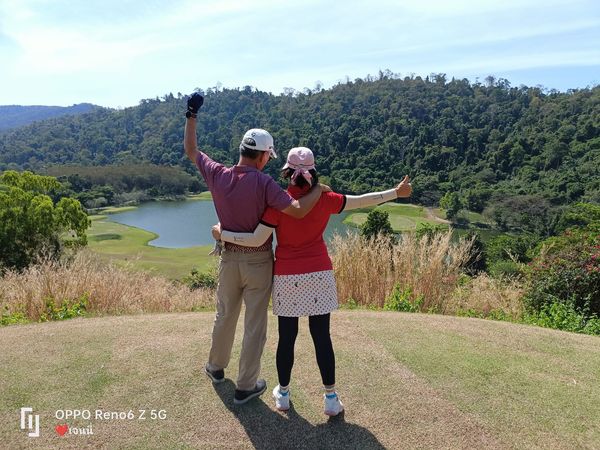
{"x": 300, "y": 244}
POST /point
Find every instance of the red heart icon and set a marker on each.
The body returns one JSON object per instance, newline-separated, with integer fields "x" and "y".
{"x": 62, "y": 429}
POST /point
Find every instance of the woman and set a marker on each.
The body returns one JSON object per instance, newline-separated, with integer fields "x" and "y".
{"x": 303, "y": 283}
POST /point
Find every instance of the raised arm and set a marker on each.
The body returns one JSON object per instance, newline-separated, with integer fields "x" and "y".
{"x": 190, "y": 143}
{"x": 404, "y": 189}
{"x": 255, "y": 239}
{"x": 189, "y": 139}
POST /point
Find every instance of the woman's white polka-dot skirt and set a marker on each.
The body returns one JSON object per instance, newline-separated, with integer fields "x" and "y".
{"x": 308, "y": 294}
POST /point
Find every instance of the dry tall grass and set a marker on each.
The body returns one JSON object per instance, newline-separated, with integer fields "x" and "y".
{"x": 430, "y": 267}
{"x": 365, "y": 273}
{"x": 109, "y": 289}
{"x": 485, "y": 295}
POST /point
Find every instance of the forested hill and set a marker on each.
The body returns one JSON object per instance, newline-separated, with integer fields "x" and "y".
{"x": 476, "y": 139}
{"x": 13, "y": 116}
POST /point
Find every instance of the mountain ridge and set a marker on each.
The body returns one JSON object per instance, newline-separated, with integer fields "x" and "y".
{"x": 14, "y": 116}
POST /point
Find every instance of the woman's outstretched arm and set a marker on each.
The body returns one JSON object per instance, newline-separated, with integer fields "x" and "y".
{"x": 404, "y": 189}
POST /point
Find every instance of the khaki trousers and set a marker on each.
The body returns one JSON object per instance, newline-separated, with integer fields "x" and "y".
{"x": 247, "y": 277}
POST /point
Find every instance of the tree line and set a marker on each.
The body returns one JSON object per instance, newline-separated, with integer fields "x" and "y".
{"x": 100, "y": 186}
{"x": 488, "y": 144}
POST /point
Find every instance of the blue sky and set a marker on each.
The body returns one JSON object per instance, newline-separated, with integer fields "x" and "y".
{"x": 116, "y": 52}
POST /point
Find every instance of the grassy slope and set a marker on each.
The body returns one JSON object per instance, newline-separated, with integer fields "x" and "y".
{"x": 403, "y": 217}
{"x": 125, "y": 244}
{"x": 407, "y": 381}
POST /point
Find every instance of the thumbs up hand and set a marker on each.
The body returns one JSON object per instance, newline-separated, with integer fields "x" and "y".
{"x": 404, "y": 189}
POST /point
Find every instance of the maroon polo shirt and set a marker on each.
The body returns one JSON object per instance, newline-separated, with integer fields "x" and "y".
{"x": 241, "y": 193}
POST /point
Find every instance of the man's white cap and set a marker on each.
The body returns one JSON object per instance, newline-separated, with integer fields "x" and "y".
{"x": 258, "y": 139}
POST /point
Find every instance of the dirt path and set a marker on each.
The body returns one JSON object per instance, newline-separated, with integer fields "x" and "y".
{"x": 431, "y": 216}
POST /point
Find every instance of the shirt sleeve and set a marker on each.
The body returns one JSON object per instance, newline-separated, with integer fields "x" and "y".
{"x": 371, "y": 199}
{"x": 271, "y": 217}
{"x": 276, "y": 197}
{"x": 333, "y": 202}
{"x": 208, "y": 168}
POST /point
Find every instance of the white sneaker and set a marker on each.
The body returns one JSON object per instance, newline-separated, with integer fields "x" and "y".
{"x": 333, "y": 404}
{"x": 282, "y": 401}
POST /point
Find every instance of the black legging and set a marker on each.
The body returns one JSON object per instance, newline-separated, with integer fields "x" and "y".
{"x": 319, "y": 330}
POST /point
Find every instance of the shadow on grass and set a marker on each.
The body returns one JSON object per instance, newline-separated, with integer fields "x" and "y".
{"x": 268, "y": 429}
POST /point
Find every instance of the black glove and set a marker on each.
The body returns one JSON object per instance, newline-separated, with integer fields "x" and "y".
{"x": 193, "y": 104}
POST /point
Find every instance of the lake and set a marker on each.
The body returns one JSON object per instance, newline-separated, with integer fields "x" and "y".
{"x": 184, "y": 224}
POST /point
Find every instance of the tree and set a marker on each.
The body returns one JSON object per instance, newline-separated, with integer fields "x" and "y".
{"x": 475, "y": 199}
{"x": 533, "y": 214}
{"x": 579, "y": 215}
{"x": 377, "y": 223}
{"x": 32, "y": 224}
{"x": 451, "y": 203}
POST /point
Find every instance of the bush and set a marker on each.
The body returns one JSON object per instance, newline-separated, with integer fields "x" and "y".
{"x": 66, "y": 310}
{"x": 477, "y": 262}
{"x": 507, "y": 248}
{"x": 197, "y": 280}
{"x": 12, "y": 318}
{"x": 429, "y": 230}
{"x": 403, "y": 300}
{"x": 566, "y": 270}
{"x": 504, "y": 269}
{"x": 496, "y": 314}
{"x": 564, "y": 316}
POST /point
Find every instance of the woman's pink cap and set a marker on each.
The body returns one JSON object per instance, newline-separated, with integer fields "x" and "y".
{"x": 300, "y": 158}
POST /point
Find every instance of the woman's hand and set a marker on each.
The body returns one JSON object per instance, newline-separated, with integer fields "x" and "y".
{"x": 404, "y": 189}
{"x": 216, "y": 231}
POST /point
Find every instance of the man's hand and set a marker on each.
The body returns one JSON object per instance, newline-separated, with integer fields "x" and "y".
{"x": 404, "y": 189}
{"x": 194, "y": 103}
{"x": 325, "y": 188}
{"x": 216, "y": 231}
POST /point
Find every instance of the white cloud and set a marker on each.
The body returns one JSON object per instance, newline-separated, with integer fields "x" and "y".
{"x": 139, "y": 50}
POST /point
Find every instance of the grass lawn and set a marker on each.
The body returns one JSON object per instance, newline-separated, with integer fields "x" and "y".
{"x": 403, "y": 217}
{"x": 117, "y": 209}
{"x": 206, "y": 195}
{"x": 129, "y": 245}
{"x": 407, "y": 380}
{"x": 473, "y": 217}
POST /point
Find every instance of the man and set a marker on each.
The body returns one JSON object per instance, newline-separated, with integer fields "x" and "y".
{"x": 241, "y": 194}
